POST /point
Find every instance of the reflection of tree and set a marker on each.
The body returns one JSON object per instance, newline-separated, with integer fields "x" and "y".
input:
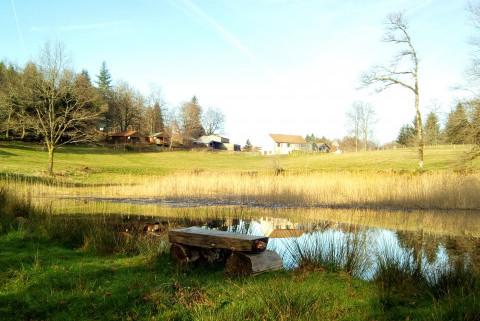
{"x": 459, "y": 248}
{"x": 217, "y": 224}
{"x": 241, "y": 226}
{"x": 420, "y": 243}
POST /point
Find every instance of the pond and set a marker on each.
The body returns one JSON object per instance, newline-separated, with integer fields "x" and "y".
{"x": 359, "y": 240}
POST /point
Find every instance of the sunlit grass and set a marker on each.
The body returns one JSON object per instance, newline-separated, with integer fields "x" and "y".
{"x": 340, "y": 189}
{"x": 107, "y": 164}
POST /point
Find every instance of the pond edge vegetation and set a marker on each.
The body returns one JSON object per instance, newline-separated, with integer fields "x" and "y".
{"x": 398, "y": 289}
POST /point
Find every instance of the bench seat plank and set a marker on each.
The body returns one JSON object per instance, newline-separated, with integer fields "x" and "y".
{"x": 195, "y": 236}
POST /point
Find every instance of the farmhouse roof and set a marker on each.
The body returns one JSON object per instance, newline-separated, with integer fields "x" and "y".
{"x": 126, "y": 134}
{"x": 292, "y": 139}
{"x": 156, "y": 134}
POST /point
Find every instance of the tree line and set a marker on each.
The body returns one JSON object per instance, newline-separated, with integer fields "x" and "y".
{"x": 48, "y": 101}
{"x": 462, "y": 126}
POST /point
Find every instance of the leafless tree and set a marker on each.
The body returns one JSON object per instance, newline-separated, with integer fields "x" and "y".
{"x": 402, "y": 71}
{"x": 360, "y": 119}
{"x": 156, "y": 109}
{"x": 190, "y": 119}
{"x": 367, "y": 122}
{"x": 213, "y": 121}
{"x": 127, "y": 106}
{"x": 354, "y": 121}
{"x": 473, "y": 70}
{"x": 62, "y": 101}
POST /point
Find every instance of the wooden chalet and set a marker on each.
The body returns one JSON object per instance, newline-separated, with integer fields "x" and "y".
{"x": 160, "y": 139}
{"x": 125, "y": 137}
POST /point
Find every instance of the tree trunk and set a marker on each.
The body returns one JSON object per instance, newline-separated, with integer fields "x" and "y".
{"x": 419, "y": 132}
{"x": 51, "y": 150}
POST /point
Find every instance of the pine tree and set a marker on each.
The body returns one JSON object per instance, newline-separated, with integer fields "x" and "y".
{"x": 104, "y": 80}
{"x": 475, "y": 125}
{"x": 432, "y": 129}
{"x": 248, "y": 146}
{"x": 457, "y": 126}
{"x": 158, "y": 125}
{"x": 406, "y": 136}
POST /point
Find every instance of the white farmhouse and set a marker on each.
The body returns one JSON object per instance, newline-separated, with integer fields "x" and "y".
{"x": 283, "y": 144}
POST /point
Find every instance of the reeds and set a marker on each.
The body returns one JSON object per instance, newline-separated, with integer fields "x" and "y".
{"x": 347, "y": 189}
{"x": 330, "y": 250}
{"x": 102, "y": 234}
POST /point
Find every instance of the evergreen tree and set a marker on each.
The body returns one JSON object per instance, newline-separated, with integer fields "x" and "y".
{"x": 248, "y": 146}
{"x": 432, "y": 129}
{"x": 475, "y": 125}
{"x": 406, "y": 136}
{"x": 457, "y": 127}
{"x": 104, "y": 80}
{"x": 157, "y": 121}
{"x": 85, "y": 74}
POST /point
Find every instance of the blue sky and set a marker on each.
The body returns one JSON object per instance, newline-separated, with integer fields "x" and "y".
{"x": 271, "y": 66}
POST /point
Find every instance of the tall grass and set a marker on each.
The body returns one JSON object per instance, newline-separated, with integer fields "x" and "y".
{"x": 99, "y": 233}
{"x": 437, "y": 190}
{"x": 331, "y": 250}
{"x": 453, "y": 286}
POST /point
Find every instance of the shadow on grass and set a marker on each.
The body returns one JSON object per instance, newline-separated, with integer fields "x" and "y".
{"x": 6, "y": 154}
{"x": 105, "y": 149}
{"x": 45, "y": 180}
{"x": 42, "y": 280}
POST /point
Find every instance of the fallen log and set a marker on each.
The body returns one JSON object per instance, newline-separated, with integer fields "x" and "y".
{"x": 244, "y": 264}
{"x": 184, "y": 254}
{"x": 199, "y": 237}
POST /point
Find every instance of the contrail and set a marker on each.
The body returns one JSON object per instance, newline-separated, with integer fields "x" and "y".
{"x": 18, "y": 26}
{"x": 234, "y": 41}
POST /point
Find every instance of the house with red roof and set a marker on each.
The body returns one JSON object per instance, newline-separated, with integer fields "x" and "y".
{"x": 126, "y": 137}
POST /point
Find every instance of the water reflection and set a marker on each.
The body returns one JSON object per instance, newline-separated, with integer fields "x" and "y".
{"x": 359, "y": 239}
{"x": 358, "y": 249}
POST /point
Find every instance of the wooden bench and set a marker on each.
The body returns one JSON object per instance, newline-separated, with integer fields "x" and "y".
{"x": 244, "y": 254}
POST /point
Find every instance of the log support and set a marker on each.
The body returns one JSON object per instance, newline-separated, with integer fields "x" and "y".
{"x": 184, "y": 254}
{"x": 245, "y": 264}
{"x": 244, "y": 254}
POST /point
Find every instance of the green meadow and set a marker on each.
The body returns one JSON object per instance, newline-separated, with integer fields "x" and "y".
{"x": 96, "y": 164}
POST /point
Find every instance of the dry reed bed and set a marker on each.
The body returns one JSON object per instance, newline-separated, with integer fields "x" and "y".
{"x": 438, "y": 190}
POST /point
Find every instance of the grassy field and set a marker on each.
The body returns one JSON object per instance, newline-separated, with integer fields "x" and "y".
{"x": 101, "y": 164}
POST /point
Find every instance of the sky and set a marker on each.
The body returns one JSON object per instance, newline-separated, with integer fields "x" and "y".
{"x": 271, "y": 66}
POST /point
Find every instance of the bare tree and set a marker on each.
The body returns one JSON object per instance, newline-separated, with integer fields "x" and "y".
{"x": 402, "y": 71}
{"x": 354, "y": 121}
{"x": 190, "y": 119}
{"x": 62, "y": 102}
{"x": 213, "y": 121}
{"x": 127, "y": 107}
{"x": 367, "y": 121}
{"x": 473, "y": 70}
